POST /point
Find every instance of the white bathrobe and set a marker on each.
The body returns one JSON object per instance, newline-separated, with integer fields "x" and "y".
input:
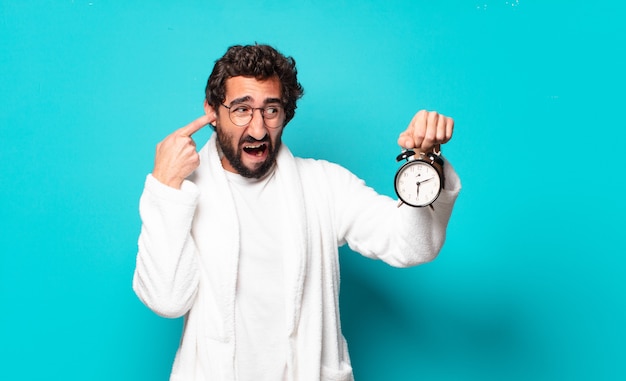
{"x": 189, "y": 249}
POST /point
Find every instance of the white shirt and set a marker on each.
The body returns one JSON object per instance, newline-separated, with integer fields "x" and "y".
{"x": 260, "y": 298}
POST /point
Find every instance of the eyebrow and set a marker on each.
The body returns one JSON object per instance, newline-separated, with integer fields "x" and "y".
{"x": 248, "y": 98}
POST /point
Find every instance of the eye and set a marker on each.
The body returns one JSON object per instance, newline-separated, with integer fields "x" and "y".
{"x": 241, "y": 109}
{"x": 271, "y": 111}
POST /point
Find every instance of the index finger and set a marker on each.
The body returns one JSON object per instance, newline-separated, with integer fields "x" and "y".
{"x": 195, "y": 126}
{"x": 416, "y": 132}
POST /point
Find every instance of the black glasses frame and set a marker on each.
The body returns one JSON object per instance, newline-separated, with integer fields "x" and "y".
{"x": 261, "y": 109}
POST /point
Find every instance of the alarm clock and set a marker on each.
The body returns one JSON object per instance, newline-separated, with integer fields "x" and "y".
{"x": 419, "y": 181}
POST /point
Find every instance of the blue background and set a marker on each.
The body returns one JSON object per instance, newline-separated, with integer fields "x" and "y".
{"x": 530, "y": 284}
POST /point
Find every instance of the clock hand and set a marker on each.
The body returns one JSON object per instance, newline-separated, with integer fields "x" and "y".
{"x": 423, "y": 181}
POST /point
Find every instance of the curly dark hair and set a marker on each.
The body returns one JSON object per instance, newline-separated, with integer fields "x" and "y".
{"x": 258, "y": 61}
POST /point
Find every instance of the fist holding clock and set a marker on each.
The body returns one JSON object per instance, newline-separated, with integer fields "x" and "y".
{"x": 419, "y": 181}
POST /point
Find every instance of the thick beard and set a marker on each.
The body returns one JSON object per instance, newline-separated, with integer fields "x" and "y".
{"x": 234, "y": 157}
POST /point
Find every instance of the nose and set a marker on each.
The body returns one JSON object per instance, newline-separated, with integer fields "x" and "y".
{"x": 256, "y": 128}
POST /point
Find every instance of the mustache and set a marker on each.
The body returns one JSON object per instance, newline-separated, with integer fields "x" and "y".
{"x": 250, "y": 139}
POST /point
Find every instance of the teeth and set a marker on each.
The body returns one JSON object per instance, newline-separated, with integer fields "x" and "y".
{"x": 257, "y": 150}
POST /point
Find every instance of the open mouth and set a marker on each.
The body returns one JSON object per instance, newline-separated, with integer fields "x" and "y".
{"x": 256, "y": 149}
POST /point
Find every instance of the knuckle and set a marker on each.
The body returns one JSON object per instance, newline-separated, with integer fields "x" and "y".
{"x": 433, "y": 117}
{"x": 195, "y": 161}
{"x": 430, "y": 133}
{"x": 419, "y": 133}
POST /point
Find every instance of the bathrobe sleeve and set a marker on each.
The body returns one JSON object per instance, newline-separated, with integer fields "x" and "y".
{"x": 166, "y": 273}
{"x": 374, "y": 225}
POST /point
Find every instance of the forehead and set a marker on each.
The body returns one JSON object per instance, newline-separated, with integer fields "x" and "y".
{"x": 252, "y": 88}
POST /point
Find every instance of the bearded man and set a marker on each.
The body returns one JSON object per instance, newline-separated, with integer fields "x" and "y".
{"x": 241, "y": 238}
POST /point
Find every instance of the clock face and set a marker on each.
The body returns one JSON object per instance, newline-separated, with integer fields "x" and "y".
{"x": 418, "y": 183}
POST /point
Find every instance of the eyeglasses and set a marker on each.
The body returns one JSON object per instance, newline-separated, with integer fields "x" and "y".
{"x": 241, "y": 115}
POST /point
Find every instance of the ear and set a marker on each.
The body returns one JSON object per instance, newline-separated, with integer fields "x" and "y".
{"x": 210, "y": 112}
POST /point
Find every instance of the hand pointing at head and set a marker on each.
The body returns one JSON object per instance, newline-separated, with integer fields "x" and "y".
{"x": 176, "y": 156}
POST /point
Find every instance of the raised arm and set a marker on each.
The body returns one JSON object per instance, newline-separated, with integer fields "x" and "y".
{"x": 166, "y": 272}
{"x": 374, "y": 226}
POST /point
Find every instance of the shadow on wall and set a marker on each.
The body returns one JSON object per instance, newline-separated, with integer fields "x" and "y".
{"x": 428, "y": 332}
